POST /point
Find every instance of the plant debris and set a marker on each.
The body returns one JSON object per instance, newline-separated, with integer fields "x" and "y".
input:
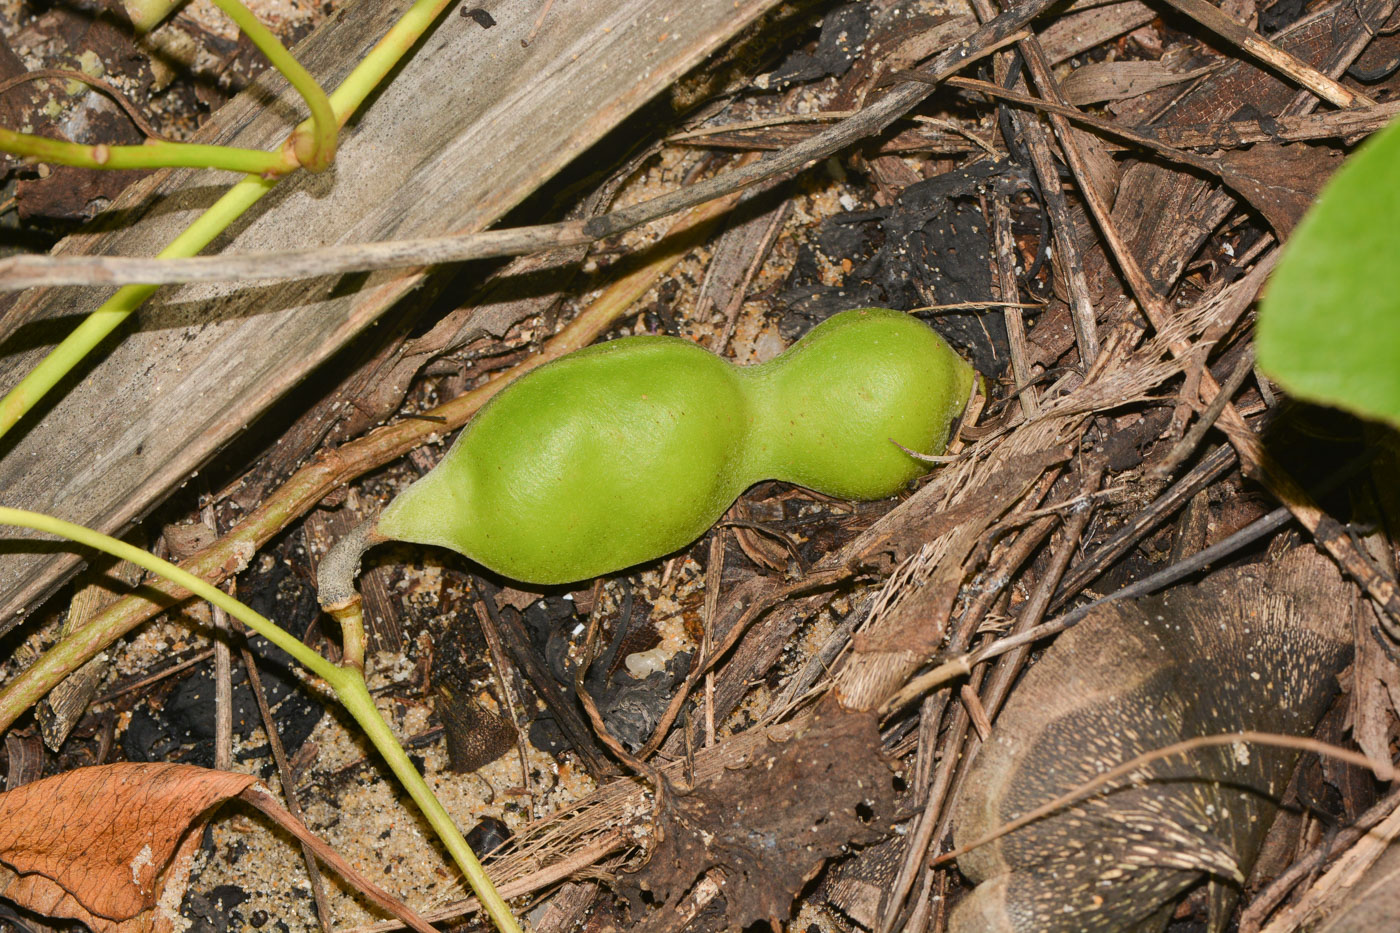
{"x": 1255, "y": 649}
{"x": 1088, "y": 209}
{"x": 766, "y": 829}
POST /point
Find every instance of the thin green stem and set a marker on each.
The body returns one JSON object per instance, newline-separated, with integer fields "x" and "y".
{"x": 153, "y": 154}
{"x": 387, "y": 52}
{"x": 313, "y": 144}
{"x": 358, "y": 703}
{"x": 347, "y": 682}
{"x": 114, "y": 310}
{"x": 123, "y": 551}
{"x": 343, "y": 103}
{"x": 314, "y": 150}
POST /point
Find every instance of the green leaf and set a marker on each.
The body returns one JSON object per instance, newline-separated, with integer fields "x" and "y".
{"x": 1329, "y": 325}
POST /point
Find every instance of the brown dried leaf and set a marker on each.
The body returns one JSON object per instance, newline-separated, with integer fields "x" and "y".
{"x": 101, "y": 844}
{"x": 519, "y": 600}
{"x": 769, "y": 827}
{"x": 1098, "y": 82}
{"x": 1375, "y": 686}
{"x": 111, "y": 846}
{"x": 475, "y": 735}
{"x": 1281, "y": 182}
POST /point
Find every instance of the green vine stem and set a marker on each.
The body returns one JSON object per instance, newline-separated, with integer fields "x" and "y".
{"x": 331, "y": 469}
{"x": 314, "y": 151}
{"x": 95, "y": 328}
{"x": 356, "y": 699}
{"x": 153, "y": 154}
{"x": 311, "y": 146}
{"x": 381, "y": 59}
{"x": 345, "y": 100}
{"x": 348, "y": 682}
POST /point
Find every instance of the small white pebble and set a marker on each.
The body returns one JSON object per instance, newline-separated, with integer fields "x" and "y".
{"x": 643, "y": 664}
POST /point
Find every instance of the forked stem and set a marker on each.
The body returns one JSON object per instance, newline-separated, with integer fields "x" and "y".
{"x": 346, "y": 99}
{"x": 312, "y": 146}
{"x": 315, "y": 150}
{"x": 346, "y": 680}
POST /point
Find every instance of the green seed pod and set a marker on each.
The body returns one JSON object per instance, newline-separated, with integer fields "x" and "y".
{"x": 626, "y": 451}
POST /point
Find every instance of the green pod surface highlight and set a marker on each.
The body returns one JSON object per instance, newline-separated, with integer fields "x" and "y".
{"x": 625, "y": 451}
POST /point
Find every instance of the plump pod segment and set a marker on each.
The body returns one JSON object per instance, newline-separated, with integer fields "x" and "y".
{"x": 628, "y": 450}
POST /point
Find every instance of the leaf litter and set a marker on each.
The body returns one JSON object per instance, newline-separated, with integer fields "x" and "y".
{"x": 960, "y": 550}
